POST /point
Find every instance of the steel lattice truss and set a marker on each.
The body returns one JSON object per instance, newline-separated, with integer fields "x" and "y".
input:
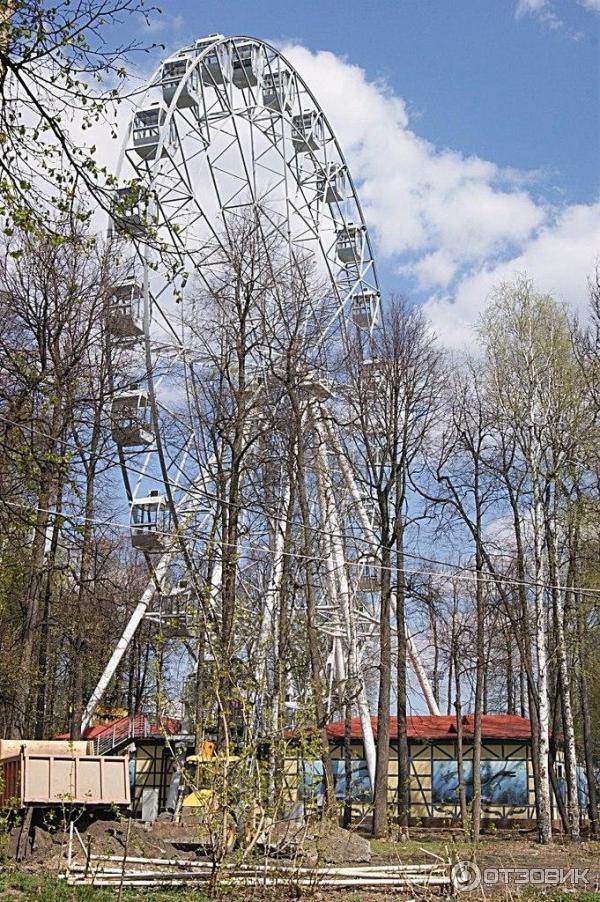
{"x": 229, "y": 160}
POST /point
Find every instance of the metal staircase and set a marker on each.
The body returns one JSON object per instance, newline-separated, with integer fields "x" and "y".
{"x": 125, "y": 730}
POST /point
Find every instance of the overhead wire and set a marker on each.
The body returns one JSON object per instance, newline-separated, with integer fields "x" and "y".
{"x": 455, "y": 572}
{"x": 348, "y": 537}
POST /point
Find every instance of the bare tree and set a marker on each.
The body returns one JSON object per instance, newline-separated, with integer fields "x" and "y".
{"x": 468, "y": 494}
{"x": 53, "y": 305}
{"x": 393, "y": 398}
{"x": 528, "y": 336}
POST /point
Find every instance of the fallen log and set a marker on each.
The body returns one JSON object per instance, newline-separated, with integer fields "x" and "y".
{"x": 285, "y": 875}
{"x": 364, "y": 883}
{"x": 157, "y": 878}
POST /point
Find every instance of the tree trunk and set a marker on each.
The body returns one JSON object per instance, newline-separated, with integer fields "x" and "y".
{"x": 380, "y": 790}
{"x": 563, "y": 669}
{"x": 560, "y": 804}
{"x": 401, "y": 689}
{"x": 510, "y": 677}
{"x": 90, "y": 458}
{"x": 347, "y": 813}
{"x": 25, "y": 684}
{"x": 460, "y": 768}
{"x": 42, "y": 669}
{"x": 545, "y": 819}
{"x": 314, "y": 652}
{"x": 480, "y": 665}
{"x": 586, "y": 721}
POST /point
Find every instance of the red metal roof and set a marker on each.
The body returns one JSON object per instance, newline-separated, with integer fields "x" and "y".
{"x": 493, "y": 726}
{"x": 139, "y": 724}
{"x": 89, "y": 733}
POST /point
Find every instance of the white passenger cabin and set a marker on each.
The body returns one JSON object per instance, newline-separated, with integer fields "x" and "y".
{"x": 372, "y": 375}
{"x": 176, "y": 71}
{"x": 130, "y": 417}
{"x": 349, "y": 243}
{"x": 317, "y": 387}
{"x": 364, "y": 308}
{"x": 307, "y": 131}
{"x": 216, "y": 65}
{"x": 370, "y": 574}
{"x": 148, "y": 130}
{"x": 149, "y": 524}
{"x": 175, "y": 609}
{"x": 128, "y": 210}
{"x": 332, "y": 183}
{"x": 125, "y": 317}
{"x": 248, "y": 64}
{"x": 278, "y": 91}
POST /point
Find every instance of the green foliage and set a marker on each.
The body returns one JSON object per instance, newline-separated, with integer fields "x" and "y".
{"x": 532, "y": 368}
{"x": 56, "y": 59}
{"x": 563, "y": 895}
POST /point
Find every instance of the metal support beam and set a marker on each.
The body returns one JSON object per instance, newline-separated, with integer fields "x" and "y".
{"x": 268, "y": 624}
{"x": 158, "y": 575}
{"x": 367, "y": 527}
{"x": 128, "y": 634}
{"x": 332, "y": 536}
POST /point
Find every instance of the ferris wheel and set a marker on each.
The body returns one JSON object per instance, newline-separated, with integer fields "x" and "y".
{"x": 228, "y": 155}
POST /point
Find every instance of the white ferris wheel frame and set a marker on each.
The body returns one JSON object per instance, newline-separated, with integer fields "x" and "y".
{"x": 309, "y": 220}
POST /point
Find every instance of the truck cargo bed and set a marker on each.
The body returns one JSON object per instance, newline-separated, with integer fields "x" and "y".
{"x": 40, "y": 779}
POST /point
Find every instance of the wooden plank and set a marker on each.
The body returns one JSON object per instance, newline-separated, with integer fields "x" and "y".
{"x": 23, "y": 841}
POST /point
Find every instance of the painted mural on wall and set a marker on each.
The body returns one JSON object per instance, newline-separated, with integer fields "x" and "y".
{"x": 582, "y": 787}
{"x": 444, "y": 782}
{"x": 502, "y": 782}
{"x": 312, "y": 786}
{"x": 360, "y": 785}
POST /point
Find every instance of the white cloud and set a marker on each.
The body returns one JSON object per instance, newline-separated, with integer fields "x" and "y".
{"x": 544, "y": 11}
{"x": 419, "y": 199}
{"x": 540, "y": 9}
{"x": 559, "y": 260}
{"x": 501, "y": 531}
{"x": 530, "y": 7}
{"x": 455, "y": 224}
{"x": 434, "y": 269}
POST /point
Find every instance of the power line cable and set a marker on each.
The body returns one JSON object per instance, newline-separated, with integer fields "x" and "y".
{"x": 455, "y": 571}
{"x": 348, "y": 537}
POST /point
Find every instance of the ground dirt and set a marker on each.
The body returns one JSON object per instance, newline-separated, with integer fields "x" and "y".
{"x": 505, "y": 861}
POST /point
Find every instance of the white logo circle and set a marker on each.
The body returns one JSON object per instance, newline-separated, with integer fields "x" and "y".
{"x": 465, "y": 876}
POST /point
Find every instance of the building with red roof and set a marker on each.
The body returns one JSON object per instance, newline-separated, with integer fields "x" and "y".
{"x": 430, "y": 726}
{"x": 506, "y": 768}
{"x": 506, "y": 765}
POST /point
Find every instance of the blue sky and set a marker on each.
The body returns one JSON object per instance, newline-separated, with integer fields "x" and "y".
{"x": 475, "y": 77}
{"x": 471, "y": 126}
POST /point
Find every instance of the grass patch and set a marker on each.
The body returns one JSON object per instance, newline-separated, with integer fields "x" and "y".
{"x": 16, "y": 885}
{"x": 582, "y": 895}
{"x": 412, "y": 850}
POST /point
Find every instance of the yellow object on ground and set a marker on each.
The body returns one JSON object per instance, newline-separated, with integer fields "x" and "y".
{"x": 205, "y": 762}
{"x": 200, "y": 798}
